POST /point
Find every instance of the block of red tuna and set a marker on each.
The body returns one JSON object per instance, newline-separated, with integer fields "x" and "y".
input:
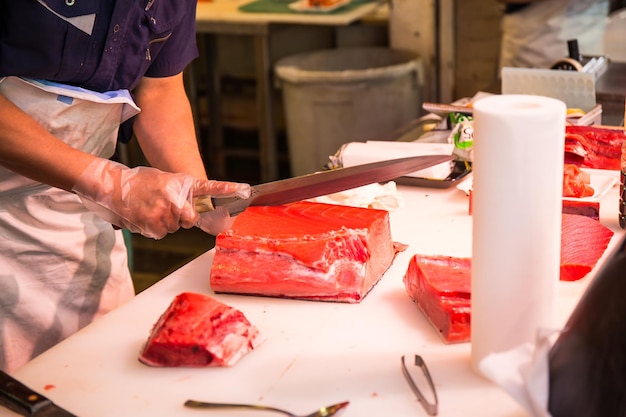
{"x": 305, "y": 250}
{"x": 441, "y": 285}
{"x": 197, "y": 330}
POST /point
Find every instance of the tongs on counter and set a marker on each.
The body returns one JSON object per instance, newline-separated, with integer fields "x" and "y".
{"x": 430, "y": 404}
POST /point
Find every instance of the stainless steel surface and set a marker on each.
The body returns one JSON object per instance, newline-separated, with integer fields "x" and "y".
{"x": 444, "y": 109}
{"x": 328, "y": 411}
{"x": 18, "y": 397}
{"x": 325, "y": 182}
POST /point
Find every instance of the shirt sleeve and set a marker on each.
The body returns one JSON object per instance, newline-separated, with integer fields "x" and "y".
{"x": 178, "y": 50}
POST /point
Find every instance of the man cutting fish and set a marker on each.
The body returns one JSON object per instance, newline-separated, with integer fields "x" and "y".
{"x": 71, "y": 71}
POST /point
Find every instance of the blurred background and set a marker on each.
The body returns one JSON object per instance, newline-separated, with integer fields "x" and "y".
{"x": 457, "y": 41}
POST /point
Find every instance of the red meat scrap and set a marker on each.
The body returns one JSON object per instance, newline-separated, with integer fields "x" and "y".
{"x": 576, "y": 182}
{"x": 593, "y": 147}
{"x": 441, "y": 285}
{"x": 305, "y": 250}
{"x": 197, "y": 330}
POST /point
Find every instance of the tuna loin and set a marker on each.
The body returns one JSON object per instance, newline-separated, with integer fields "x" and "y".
{"x": 593, "y": 147}
{"x": 583, "y": 241}
{"x": 441, "y": 285}
{"x": 197, "y": 331}
{"x": 305, "y": 250}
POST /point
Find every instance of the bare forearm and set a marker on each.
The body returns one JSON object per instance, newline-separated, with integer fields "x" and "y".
{"x": 28, "y": 149}
{"x": 165, "y": 128}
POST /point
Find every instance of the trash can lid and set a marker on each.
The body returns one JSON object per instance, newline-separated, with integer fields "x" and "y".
{"x": 346, "y": 65}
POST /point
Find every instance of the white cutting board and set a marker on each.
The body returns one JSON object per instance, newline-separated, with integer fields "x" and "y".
{"x": 315, "y": 353}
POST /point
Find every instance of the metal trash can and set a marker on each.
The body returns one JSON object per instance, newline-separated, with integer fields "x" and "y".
{"x": 336, "y": 96}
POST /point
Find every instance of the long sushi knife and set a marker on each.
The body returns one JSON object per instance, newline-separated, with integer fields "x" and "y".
{"x": 321, "y": 183}
{"x": 18, "y": 397}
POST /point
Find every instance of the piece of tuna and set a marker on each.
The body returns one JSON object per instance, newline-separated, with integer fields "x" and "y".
{"x": 576, "y": 182}
{"x": 197, "y": 330}
{"x": 305, "y": 250}
{"x": 441, "y": 285}
{"x": 590, "y": 209}
{"x": 583, "y": 241}
{"x": 593, "y": 147}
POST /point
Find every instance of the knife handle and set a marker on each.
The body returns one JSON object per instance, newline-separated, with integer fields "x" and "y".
{"x": 234, "y": 205}
{"x": 18, "y": 397}
{"x": 203, "y": 203}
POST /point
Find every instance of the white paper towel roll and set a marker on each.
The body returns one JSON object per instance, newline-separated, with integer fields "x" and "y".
{"x": 517, "y": 198}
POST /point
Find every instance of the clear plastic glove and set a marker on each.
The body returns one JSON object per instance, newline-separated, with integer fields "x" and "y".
{"x": 214, "y": 222}
{"x": 149, "y": 201}
{"x": 219, "y": 219}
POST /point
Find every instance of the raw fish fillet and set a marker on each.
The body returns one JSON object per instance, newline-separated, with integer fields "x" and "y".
{"x": 590, "y": 209}
{"x": 583, "y": 241}
{"x": 441, "y": 285}
{"x": 593, "y": 147}
{"x": 576, "y": 182}
{"x": 198, "y": 331}
{"x": 305, "y": 250}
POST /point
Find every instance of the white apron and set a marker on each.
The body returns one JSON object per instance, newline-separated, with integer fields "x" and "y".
{"x": 60, "y": 265}
{"x": 536, "y": 36}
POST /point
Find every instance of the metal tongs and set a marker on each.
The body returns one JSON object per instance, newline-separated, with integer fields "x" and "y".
{"x": 431, "y": 407}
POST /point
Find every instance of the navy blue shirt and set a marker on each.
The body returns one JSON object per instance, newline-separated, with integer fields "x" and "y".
{"x": 101, "y": 45}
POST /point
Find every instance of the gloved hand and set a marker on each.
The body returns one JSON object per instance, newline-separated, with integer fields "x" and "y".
{"x": 219, "y": 219}
{"x": 149, "y": 201}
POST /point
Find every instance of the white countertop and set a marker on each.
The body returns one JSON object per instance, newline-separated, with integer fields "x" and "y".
{"x": 227, "y": 11}
{"x": 315, "y": 353}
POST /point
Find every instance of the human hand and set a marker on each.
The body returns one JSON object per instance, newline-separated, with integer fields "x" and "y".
{"x": 218, "y": 218}
{"x": 146, "y": 200}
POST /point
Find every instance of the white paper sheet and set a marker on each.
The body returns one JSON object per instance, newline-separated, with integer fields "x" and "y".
{"x": 357, "y": 153}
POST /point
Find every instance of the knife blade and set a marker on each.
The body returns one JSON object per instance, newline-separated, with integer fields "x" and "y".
{"x": 443, "y": 109}
{"x": 18, "y": 397}
{"x": 321, "y": 183}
